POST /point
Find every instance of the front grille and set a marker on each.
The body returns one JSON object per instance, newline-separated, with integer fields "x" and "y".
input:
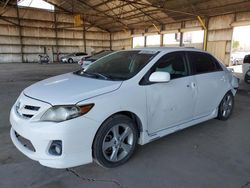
{"x": 26, "y": 111}
{"x": 28, "y": 107}
{"x": 25, "y": 142}
{"x": 27, "y": 115}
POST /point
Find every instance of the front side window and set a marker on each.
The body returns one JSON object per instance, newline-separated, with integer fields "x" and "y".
{"x": 174, "y": 64}
{"x": 120, "y": 65}
{"x": 203, "y": 63}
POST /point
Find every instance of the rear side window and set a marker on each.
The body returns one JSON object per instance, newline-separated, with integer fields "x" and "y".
{"x": 174, "y": 64}
{"x": 203, "y": 63}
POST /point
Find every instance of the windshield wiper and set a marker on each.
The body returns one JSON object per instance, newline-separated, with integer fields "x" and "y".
{"x": 101, "y": 75}
{"x": 98, "y": 75}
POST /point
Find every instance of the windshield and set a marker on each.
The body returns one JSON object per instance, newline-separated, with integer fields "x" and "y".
{"x": 99, "y": 55}
{"x": 120, "y": 65}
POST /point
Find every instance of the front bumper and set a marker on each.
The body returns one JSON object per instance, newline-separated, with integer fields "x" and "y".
{"x": 77, "y": 136}
{"x": 64, "y": 61}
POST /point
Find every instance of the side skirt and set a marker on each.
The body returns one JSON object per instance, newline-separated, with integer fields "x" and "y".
{"x": 146, "y": 137}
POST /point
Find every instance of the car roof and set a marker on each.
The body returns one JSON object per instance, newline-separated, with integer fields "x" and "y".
{"x": 169, "y": 49}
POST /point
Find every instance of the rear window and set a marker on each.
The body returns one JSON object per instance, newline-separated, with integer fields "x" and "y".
{"x": 203, "y": 63}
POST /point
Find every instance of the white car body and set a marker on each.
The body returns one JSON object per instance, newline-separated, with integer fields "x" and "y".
{"x": 161, "y": 109}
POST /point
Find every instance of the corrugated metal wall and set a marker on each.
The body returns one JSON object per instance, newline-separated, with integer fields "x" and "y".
{"x": 39, "y": 34}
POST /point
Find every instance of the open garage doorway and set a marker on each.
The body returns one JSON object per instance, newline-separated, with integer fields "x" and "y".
{"x": 240, "y": 44}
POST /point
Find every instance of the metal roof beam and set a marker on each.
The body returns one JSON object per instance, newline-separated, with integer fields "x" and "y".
{"x": 145, "y": 13}
{"x": 104, "y": 13}
{"x": 103, "y": 3}
{"x": 91, "y": 23}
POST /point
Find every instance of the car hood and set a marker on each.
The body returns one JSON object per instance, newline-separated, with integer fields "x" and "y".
{"x": 69, "y": 89}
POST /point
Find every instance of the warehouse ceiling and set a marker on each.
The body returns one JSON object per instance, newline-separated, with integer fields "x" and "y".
{"x": 118, "y": 15}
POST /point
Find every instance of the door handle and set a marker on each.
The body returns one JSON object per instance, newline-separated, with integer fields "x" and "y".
{"x": 192, "y": 85}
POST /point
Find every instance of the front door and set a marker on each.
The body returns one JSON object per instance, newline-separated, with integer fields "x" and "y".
{"x": 170, "y": 104}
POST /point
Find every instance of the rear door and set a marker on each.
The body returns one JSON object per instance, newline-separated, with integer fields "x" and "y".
{"x": 210, "y": 81}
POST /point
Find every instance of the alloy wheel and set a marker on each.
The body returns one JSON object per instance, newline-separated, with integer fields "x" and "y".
{"x": 117, "y": 143}
{"x": 227, "y": 106}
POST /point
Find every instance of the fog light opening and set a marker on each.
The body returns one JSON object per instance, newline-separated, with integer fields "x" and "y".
{"x": 56, "y": 148}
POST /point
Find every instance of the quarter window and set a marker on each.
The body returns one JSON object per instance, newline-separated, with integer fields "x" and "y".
{"x": 203, "y": 63}
{"x": 174, "y": 64}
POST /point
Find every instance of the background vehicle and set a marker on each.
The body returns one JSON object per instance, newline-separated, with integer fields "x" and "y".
{"x": 44, "y": 58}
{"x": 237, "y": 58}
{"x": 242, "y": 71}
{"x": 84, "y": 62}
{"x": 74, "y": 57}
{"x": 246, "y": 63}
{"x": 125, "y": 98}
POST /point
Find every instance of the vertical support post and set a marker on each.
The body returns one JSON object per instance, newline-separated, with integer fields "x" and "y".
{"x": 84, "y": 36}
{"x": 56, "y": 38}
{"x": 181, "y": 39}
{"x": 110, "y": 41}
{"x": 131, "y": 38}
{"x": 204, "y": 25}
{"x": 145, "y": 38}
{"x": 206, "y": 33}
{"x": 161, "y": 40}
{"x": 181, "y": 34}
{"x": 161, "y": 36}
{"x": 20, "y": 32}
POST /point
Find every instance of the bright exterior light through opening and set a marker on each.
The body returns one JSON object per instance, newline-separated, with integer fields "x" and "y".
{"x": 193, "y": 37}
{"x": 138, "y": 41}
{"x": 171, "y": 39}
{"x": 153, "y": 40}
{"x": 240, "y": 44}
{"x": 36, "y": 4}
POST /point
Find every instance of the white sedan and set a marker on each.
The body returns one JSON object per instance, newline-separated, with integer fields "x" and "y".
{"x": 127, "y": 98}
{"x": 74, "y": 57}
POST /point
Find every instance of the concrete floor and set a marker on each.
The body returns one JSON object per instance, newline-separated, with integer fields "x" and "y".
{"x": 211, "y": 154}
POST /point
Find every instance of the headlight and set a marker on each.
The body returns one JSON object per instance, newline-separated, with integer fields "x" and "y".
{"x": 63, "y": 113}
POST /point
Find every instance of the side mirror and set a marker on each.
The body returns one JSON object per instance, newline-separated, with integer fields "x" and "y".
{"x": 159, "y": 77}
{"x": 230, "y": 70}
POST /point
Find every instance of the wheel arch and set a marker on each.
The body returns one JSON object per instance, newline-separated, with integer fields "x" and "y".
{"x": 129, "y": 114}
{"x": 231, "y": 90}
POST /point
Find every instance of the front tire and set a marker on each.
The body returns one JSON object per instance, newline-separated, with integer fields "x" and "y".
{"x": 115, "y": 141}
{"x": 226, "y": 107}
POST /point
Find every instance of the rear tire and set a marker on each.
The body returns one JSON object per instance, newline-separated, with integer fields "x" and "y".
{"x": 226, "y": 107}
{"x": 115, "y": 141}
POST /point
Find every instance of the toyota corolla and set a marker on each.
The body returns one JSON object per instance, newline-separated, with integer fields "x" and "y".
{"x": 127, "y": 98}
